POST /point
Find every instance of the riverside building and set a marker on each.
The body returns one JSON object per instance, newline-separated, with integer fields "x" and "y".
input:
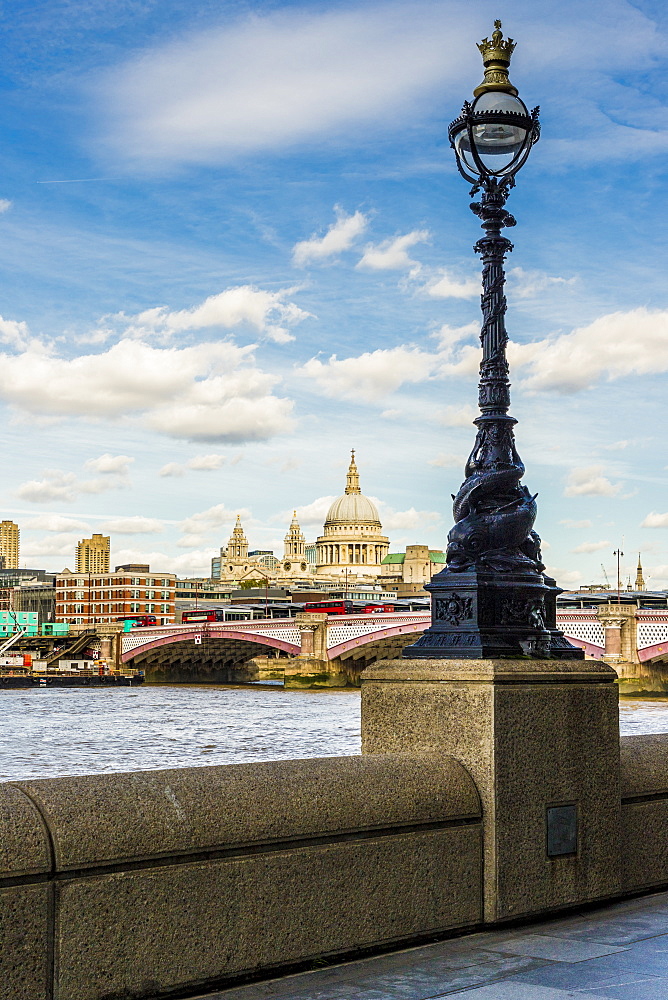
{"x": 98, "y": 598}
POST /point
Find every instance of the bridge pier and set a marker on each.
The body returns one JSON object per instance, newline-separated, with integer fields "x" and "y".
{"x": 313, "y": 668}
{"x": 110, "y": 644}
{"x": 620, "y": 622}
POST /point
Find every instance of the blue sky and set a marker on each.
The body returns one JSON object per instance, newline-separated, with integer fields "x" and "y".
{"x": 234, "y": 244}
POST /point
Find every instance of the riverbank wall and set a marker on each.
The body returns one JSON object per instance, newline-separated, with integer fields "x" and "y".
{"x": 489, "y": 791}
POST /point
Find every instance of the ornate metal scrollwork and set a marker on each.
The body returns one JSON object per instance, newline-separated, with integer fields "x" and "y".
{"x": 494, "y": 514}
{"x": 453, "y": 609}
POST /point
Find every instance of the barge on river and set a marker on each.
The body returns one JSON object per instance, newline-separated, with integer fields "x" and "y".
{"x": 12, "y": 679}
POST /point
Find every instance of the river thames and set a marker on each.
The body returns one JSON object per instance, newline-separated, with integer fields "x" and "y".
{"x": 81, "y": 731}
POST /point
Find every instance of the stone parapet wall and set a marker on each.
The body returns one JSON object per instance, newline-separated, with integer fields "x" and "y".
{"x": 644, "y": 787}
{"x": 157, "y": 882}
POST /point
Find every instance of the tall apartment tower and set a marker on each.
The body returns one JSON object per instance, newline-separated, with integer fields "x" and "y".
{"x": 93, "y": 554}
{"x": 9, "y": 544}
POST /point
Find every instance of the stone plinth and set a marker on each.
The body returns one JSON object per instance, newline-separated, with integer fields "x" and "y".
{"x": 536, "y": 735}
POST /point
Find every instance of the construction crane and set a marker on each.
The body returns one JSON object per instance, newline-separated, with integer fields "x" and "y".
{"x": 607, "y": 580}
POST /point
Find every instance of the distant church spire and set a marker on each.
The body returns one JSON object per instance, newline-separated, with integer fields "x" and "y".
{"x": 237, "y": 547}
{"x": 294, "y": 542}
{"x": 353, "y": 478}
{"x": 640, "y": 579}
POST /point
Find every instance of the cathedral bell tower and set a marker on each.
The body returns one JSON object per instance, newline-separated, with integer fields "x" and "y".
{"x": 237, "y": 547}
{"x": 294, "y": 547}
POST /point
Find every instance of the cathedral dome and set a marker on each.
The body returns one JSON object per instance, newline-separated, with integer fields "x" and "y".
{"x": 351, "y": 544}
{"x": 353, "y": 507}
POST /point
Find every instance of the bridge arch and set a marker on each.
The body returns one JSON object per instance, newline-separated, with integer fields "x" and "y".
{"x": 372, "y": 637}
{"x": 252, "y": 638}
{"x": 655, "y": 653}
{"x": 590, "y": 648}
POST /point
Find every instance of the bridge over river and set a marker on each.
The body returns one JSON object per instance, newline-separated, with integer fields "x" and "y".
{"x": 314, "y": 650}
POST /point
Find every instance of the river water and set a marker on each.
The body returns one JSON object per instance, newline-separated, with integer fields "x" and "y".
{"x": 59, "y": 731}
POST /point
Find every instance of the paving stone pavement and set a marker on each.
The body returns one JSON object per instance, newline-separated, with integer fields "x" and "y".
{"x": 619, "y": 952}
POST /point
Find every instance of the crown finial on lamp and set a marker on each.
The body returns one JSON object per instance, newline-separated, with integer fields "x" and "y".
{"x": 496, "y": 53}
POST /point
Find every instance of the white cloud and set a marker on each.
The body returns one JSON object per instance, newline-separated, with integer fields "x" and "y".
{"x": 527, "y": 284}
{"x": 171, "y": 469}
{"x": 405, "y": 520}
{"x": 206, "y": 463}
{"x": 613, "y": 346}
{"x": 285, "y": 463}
{"x": 197, "y": 563}
{"x": 590, "y": 482}
{"x": 617, "y": 445}
{"x": 392, "y": 254}
{"x": 55, "y": 522}
{"x": 575, "y": 524}
{"x": 63, "y": 486}
{"x": 448, "y": 460}
{"x": 564, "y": 576}
{"x": 448, "y": 337}
{"x": 135, "y": 525}
{"x": 5, "y": 205}
{"x": 197, "y": 529}
{"x": 456, "y": 416}
{"x": 266, "y": 312}
{"x": 282, "y": 77}
{"x": 205, "y": 392}
{"x": 592, "y": 546}
{"x": 654, "y": 520}
{"x": 117, "y": 465}
{"x": 369, "y": 377}
{"x": 308, "y": 515}
{"x": 340, "y": 236}
{"x": 446, "y": 286}
{"x": 55, "y": 545}
{"x": 14, "y": 333}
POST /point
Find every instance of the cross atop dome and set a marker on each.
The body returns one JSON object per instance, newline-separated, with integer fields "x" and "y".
{"x": 353, "y": 478}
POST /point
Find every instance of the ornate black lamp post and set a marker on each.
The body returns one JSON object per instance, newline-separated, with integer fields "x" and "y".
{"x": 493, "y": 599}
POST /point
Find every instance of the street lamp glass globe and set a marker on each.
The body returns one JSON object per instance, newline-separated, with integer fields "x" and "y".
{"x": 499, "y": 127}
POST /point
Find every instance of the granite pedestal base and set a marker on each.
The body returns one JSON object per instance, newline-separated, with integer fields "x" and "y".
{"x": 541, "y": 740}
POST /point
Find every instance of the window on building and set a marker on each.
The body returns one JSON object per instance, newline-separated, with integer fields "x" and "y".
{"x": 79, "y": 595}
{"x": 78, "y": 609}
{"x": 134, "y": 608}
{"x": 164, "y": 595}
{"x": 150, "y": 609}
{"x": 135, "y": 594}
{"x": 150, "y": 583}
{"x": 150, "y": 595}
{"x": 165, "y": 609}
{"x": 136, "y": 582}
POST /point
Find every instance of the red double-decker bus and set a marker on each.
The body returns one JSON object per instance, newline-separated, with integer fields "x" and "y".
{"x": 205, "y": 615}
{"x": 139, "y": 621}
{"x": 331, "y": 607}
